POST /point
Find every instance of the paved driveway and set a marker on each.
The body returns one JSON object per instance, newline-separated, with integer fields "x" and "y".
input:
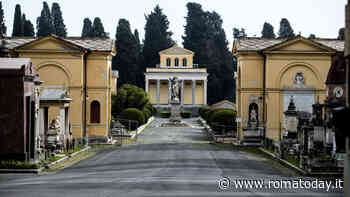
{"x": 163, "y": 162}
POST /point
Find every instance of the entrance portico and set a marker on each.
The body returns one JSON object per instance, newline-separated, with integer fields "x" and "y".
{"x": 177, "y": 62}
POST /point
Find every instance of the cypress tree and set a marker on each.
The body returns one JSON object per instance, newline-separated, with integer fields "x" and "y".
{"x": 157, "y": 37}
{"x": 267, "y": 31}
{"x": 87, "y": 28}
{"x": 312, "y": 36}
{"x": 195, "y": 30}
{"x": 28, "y": 29}
{"x": 17, "y": 22}
{"x": 98, "y": 29}
{"x": 285, "y": 31}
{"x": 205, "y": 36}
{"x": 341, "y": 34}
{"x": 3, "y": 27}
{"x": 57, "y": 20}
{"x": 126, "y": 60}
{"x": 44, "y": 22}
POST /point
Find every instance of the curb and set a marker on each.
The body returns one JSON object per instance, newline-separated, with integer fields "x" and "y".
{"x": 66, "y": 157}
{"x": 142, "y": 127}
{"x": 282, "y": 161}
{"x": 37, "y": 171}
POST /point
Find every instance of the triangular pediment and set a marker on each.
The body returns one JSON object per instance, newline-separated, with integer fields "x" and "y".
{"x": 176, "y": 50}
{"x": 299, "y": 44}
{"x": 50, "y": 43}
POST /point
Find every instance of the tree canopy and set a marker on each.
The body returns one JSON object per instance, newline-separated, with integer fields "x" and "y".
{"x": 44, "y": 22}
{"x": 17, "y": 22}
{"x": 341, "y": 34}
{"x": 157, "y": 37}
{"x": 97, "y": 29}
{"x": 205, "y": 36}
{"x": 126, "y": 60}
{"x": 3, "y": 27}
{"x": 87, "y": 28}
{"x": 57, "y": 20}
{"x": 286, "y": 30}
{"x": 268, "y": 31}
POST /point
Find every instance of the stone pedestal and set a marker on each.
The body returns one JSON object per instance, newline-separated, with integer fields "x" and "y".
{"x": 175, "y": 112}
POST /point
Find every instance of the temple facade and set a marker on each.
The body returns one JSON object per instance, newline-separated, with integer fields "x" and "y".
{"x": 271, "y": 72}
{"x": 177, "y": 62}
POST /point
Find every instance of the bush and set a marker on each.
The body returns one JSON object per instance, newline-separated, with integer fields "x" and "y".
{"x": 211, "y": 112}
{"x": 17, "y": 165}
{"x": 186, "y": 114}
{"x": 223, "y": 117}
{"x": 147, "y": 113}
{"x": 129, "y": 96}
{"x": 165, "y": 114}
{"x": 133, "y": 114}
{"x": 203, "y": 112}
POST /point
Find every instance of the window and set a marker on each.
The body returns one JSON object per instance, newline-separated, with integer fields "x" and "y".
{"x": 184, "y": 62}
{"x": 168, "y": 62}
{"x": 176, "y": 62}
{"x": 95, "y": 112}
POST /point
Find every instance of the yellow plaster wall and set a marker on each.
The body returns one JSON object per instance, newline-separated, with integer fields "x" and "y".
{"x": 199, "y": 93}
{"x": 189, "y": 58}
{"x": 152, "y": 93}
{"x": 280, "y": 71}
{"x": 163, "y": 93}
{"x": 67, "y": 70}
{"x": 188, "y": 93}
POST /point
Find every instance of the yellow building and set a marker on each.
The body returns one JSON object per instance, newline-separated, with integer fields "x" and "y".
{"x": 271, "y": 71}
{"x": 177, "y": 62}
{"x": 82, "y": 67}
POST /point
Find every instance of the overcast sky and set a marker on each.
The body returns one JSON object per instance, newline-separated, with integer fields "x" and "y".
{"x": 320, "y": 17}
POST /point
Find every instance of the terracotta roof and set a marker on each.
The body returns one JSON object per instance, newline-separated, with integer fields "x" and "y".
{"x": 258, "y": 44}
{"x": 93, "y": 44}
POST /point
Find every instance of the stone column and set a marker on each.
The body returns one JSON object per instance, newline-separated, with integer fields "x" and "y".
{"x": 169, "y": 91}
{"x": 146, "y": 84}
{"x": 158, "y": 91}
{"x": 182, "y": 91}
{"x": 193, "y": 92}
{"x": 205, "y": 91}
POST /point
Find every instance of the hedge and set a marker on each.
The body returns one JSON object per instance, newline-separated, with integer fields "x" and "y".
{"x": 165, "y": 114}
{"x": 223, "y": 120}
{"x": 211, "y": 112}
{"x": 133, "y": 114}
{"x": 186, "y": 114}
{"x": 147, "y": 113}
{"x": 17, "y": 165}
{"x": 203, "y": 112}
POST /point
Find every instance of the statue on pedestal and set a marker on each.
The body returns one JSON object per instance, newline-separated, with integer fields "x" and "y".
{"x": 174, "y": 90}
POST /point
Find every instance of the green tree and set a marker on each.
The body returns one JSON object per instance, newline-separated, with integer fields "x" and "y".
{"x": 27, "y": 27}
{"x": 312, "y": 36}
{"x": 126, "y": 59}
{"x": 87, "y": 28}
{"x": 129, "y": 96}
{"x": 17, "y": 22}
{"x": 286, "y": 30}
{"x": 205, "y": 36}
{"x": 157, "y": 36}
{"x": 267, "y": 31}
{"x": 44, "y": 22}
{"x": 239, "y": 33}
{"x": 3, "y": 27}
{"x": 341, "y": 34}
{"x": 57, "y": 20}
{"x": 98, "y": 29}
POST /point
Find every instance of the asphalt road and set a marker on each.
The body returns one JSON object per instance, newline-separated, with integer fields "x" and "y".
{"x": 164, "y": 162}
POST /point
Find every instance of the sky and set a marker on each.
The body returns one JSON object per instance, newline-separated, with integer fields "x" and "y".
{"x": 320, "y": 17}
